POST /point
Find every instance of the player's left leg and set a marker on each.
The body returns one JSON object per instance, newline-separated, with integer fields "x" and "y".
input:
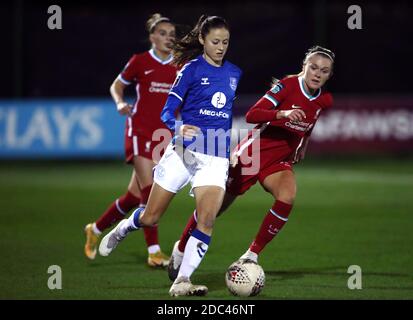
{"x": 282, "y": 186}
{"x": 179, "y": 247}
{"x": 208, "y": 202}
{"x": 143, "y": 168}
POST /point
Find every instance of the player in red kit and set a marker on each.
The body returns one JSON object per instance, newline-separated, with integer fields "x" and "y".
{"x": 154, "y": 76}
{"x": 285, "y": 117}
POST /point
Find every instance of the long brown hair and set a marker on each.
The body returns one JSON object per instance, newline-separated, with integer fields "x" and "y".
{"x": 189, "y": 46}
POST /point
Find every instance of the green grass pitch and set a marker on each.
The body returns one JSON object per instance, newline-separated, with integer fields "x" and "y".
{"x": 346, "y": 213}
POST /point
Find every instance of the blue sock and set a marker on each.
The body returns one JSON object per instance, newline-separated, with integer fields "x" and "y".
{"x": 136, "y": 214}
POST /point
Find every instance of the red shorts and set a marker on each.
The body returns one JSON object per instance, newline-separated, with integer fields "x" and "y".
{"x": 268, "y": 161}
{"x": 144, "y": 147}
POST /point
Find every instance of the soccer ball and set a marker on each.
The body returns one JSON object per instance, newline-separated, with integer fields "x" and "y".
{"x": 245, "y": 279}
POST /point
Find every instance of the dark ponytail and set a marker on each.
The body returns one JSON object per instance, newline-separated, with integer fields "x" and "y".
{"x": 189, "y": 46}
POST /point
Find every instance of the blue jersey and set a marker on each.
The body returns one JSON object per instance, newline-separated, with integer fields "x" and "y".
{"x": 206, "y": 94}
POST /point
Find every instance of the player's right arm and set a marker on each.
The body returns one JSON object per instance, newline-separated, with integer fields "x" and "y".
{"x": 117, "y": 91}
{"x": 128, "y": 75}
{"x": 266, "y": 109}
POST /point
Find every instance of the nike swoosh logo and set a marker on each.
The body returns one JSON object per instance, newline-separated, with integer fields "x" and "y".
{"x": 295, "y": 107}
{"x": 148, "y": 72}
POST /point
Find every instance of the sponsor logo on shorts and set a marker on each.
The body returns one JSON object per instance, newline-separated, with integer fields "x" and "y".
{"x": 160, "y": 172}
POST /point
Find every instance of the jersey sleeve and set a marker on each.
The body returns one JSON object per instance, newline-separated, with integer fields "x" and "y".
{"x": 265, "y": 108}
{"x": 277, "y": 93}
{"x": 183, "y": 82}
{"x": 129, "y": 73}
{"x": 169, "y": 111}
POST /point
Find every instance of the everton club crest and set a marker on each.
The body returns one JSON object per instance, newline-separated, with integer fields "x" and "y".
{"x": 233, "y": 83}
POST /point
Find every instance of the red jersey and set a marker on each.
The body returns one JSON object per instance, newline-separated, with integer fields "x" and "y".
{"x": 284, "y": 134}
{"x": 154, "y": 79}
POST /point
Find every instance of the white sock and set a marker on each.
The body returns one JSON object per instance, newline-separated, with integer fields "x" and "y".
{"x": 250, "y": 255}
{"x": 96, "y": 230}
{"x": 154, "y": 248}
{"x": 195, "y": 250}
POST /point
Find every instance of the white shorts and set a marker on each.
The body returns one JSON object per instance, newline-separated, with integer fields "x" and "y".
{"x": 177, "y": 168}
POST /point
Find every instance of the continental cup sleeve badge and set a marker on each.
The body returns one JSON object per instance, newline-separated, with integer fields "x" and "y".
{"x": 233, "y": 83}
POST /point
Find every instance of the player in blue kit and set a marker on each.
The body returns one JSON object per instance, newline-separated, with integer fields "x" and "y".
{"x": 204, "y": 90}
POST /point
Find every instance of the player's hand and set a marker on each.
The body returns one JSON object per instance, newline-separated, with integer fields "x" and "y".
{"x": 124, "y": 108}
{"x": 293, "y": 115}
{"x": 188, "y": 131}
{"x": 300, "y": 153}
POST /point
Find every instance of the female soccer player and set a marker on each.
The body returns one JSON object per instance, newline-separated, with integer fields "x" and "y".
{"x": 285, "y": 117}
{"x": 154, "y": 75}
{"x": 205, "y": 90}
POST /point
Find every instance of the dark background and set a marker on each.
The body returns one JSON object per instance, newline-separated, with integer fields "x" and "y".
{"x": 267, "y": 39}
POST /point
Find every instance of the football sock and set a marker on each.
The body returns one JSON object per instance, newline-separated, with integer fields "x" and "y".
{"x": 195, "y": 251}
{"x": 117, "y": 211}
{"x": 132, "y": 223}
{"x": 154, "y": 248}
{"x": 190, "y": 226}
{"x": 272, "y": 224}
{"x": 150, "y": 233}
{"x": 95, "y": 229}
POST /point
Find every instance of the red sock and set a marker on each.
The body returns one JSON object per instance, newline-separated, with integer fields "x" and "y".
{"x": 150, "y": 233}
{"x": 117, "y": 210}
{"x": 190, "y": 226}
{"x": 272, "y": 224}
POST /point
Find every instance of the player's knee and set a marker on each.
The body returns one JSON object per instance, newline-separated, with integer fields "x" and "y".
{"x": 206, "y": 222}
{"x": 287, "y": 198}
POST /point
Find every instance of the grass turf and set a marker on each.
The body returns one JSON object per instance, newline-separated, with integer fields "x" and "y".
{"x": 346, "y": 213}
